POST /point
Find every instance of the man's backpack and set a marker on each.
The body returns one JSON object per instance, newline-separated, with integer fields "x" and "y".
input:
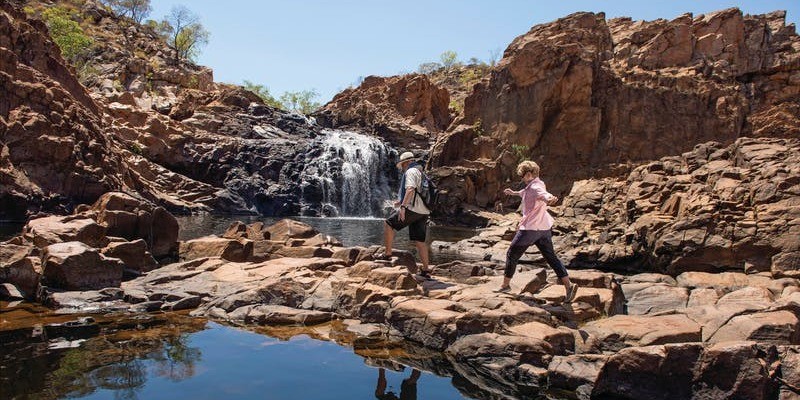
{"x": 427, "y": 191}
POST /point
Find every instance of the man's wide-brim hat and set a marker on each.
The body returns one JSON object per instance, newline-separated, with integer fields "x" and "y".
{"x": 407, "y": 156}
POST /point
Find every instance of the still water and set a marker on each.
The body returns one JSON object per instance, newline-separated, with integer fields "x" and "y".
{"x": 195, "y": 359}
{"x": 350, "y": 231}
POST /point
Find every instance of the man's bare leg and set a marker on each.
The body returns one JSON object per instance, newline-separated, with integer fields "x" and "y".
{"x": 422, "y": 248}
{"x": 388, "y": 239}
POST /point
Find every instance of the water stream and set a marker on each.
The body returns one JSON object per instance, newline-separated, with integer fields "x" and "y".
{"x": 351, "y": 175}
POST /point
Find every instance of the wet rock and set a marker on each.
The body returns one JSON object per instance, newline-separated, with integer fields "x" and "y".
{"x": 76, "y": 266}
{"x": 10, "y": 292}
{"x": 185, "y": 303}
{"x": 278, "y": 315}
{"x": 147, "y": 306}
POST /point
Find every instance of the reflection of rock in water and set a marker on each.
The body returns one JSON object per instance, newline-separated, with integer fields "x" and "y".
{"x": 31, "y": 366}
{"x": 397, "y": 355}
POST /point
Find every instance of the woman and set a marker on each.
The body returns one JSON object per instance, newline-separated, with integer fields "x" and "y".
{"x": 535, "y": 228}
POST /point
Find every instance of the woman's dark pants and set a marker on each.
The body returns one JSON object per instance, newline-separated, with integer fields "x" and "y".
{"x": 543, "y": 241}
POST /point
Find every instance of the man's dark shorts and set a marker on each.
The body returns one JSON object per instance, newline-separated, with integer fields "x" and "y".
{"x": 417, "y": 224}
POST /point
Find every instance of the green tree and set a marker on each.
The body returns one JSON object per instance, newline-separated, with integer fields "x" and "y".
{"x": 449, "y": 59}
{"x": 263, "y": 92}
{"x": 183, "y": 33}
{"x": 137, "y": 10}
{"x": 302, "y": 101}
{"x": 67, "y": 34}
{"x": 521, "y": 151}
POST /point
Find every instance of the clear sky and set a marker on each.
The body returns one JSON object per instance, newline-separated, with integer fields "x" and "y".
{"x": 328, "y": 44}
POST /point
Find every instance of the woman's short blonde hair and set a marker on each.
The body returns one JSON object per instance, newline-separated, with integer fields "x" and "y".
{"x": 528, "y": 166}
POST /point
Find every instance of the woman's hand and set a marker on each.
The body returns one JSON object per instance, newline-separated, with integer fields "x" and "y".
{"x": 509, "y": 192}
{"x": 553, "y": 200}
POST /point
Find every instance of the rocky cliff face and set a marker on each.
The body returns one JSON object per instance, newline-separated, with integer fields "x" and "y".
{"x": 132, "y": 119}
{"x": 590, "y": 98}
{"x": 713, "y": 209}
{"x": 587, "y": 97}
{"x": 407, "y": 110}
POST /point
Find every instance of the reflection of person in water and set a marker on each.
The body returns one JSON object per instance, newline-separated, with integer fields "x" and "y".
{"x": 408, "y": 389}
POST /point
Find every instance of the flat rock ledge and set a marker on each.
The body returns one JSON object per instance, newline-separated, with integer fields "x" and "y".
{"x": 697, "y": 335}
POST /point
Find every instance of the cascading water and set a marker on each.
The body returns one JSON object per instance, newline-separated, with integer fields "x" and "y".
{"x": 351, "y": 176}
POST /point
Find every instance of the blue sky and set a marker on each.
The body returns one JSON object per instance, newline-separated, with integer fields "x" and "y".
{"x": 327, "y": 44}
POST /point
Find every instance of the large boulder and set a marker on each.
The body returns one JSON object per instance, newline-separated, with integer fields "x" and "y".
{"x": 133, "y": 254}
{"x": 20, "y": 267}
{"x": 43, "y": 232}
{"x": 622, "y": 331}
{"x": 731, "y": 370}
{"x": 76, "y": 266}
{"x": 652, "y": 372}
{"x": 212, "y": 246}
{"x": 131, "y": 218}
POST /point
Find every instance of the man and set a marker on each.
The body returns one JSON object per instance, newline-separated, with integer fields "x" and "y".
{"x": 408, "y": 388}
{"x": 411, "y": 212}
{"x": 535, "y": 228}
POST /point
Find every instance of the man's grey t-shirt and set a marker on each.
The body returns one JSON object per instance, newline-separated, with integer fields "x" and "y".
{"x": 414, "y": 180}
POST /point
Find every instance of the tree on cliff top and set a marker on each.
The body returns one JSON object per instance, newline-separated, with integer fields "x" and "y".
{"x": 137, "y": 10}
{"x": 302, "y": 101}
{"x": 67, "y": 34}
{"x": 183, "y": 33}
{"x": 449, "y": 59}
{"x": 263, "y": 92}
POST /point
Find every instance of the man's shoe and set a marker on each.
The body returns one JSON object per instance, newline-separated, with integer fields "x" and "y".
{"x": 425, "y": 274}
{"x": 572, "y": 291}
{"x": 382, "y": 257}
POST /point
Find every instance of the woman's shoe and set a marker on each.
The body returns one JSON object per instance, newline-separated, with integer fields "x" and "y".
{"x": 504, "y": 289}
{"x": 572, "y": 291}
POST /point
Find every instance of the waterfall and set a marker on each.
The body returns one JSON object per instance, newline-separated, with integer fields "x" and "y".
{"x": 350, "y": 175}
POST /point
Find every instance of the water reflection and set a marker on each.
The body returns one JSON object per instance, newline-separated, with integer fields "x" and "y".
{"x": 174, "y": 356}
{"x": 408, "y": 388}
{"x": 117, "y": 363}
